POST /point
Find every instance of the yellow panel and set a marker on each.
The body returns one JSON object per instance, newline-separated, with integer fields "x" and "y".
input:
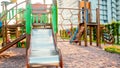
{"x": 13, "y": 1}
{"x": 87, "y": 4}
{"x": 82, "y": 4}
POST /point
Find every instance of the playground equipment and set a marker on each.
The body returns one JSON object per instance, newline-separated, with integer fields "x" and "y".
{"x": 78, "y": 33}
{"x": 83, "y": 16}
{"x": 41, "y": 27}
{"x": 7, "y": 29}
{"x": 84, "y": 13}
{"x": 8, "y": 16}
{"x": 40, "y": 20}
{"x": 88, "y": 23}
{"x": 42, "y": 49}
{"x": 41, "y": 44}
{"x": 10, "y": 44}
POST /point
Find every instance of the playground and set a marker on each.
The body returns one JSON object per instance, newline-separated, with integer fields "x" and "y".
{"x": 46, "y": 35}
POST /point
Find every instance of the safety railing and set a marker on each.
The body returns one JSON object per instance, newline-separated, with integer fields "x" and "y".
{"x": 13, "y": 15}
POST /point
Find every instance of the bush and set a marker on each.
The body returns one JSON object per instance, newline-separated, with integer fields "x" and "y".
{"x": 113, "y": 49}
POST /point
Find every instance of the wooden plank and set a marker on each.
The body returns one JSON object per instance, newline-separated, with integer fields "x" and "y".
{"x": 39, "y": 25}
{"x": 12, "y": 43}
{"x": 15, "y": 26}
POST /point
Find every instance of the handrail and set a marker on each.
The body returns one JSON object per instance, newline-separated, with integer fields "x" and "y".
{"x": 15, "y": 15}
{"x": 12, "y": 43}
{"x": 11, "y": 9}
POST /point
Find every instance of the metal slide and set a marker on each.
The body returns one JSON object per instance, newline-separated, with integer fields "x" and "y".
{"x": 42, "y": 49}
{"x": 78, "y": 33}
{"x": 74, "y": 36}
{"x": 12, "y": 43}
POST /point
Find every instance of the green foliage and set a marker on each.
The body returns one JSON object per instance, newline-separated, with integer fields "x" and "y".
{"x": 114, "y": 28}
{"x": 64, "y": 34}
{"x": 21, "y": 44}
{"x": 113, "y": 49}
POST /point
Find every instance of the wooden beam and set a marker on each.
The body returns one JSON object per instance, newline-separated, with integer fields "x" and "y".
{"x": 12, "y": 43}
{"x": 6, "y": 37}
{"x": 98, "y": 28}
{"x": 91, "y": 30}
{"x": 85, "y": 25}
{"x": 79, "y": 18}
{"x": 15, "y": 26}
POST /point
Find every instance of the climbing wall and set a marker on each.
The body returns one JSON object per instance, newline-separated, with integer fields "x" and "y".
{"x": 67, "y": 17}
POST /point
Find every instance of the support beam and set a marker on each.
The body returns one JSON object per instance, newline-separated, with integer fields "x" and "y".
{"x": 98, "y": 28}
{"x": 98, "y": 22}
{"x": 85, "y": 25}
{"x": 79, "y": 11}
{"x": 90, "y": 35}
{"x": 6, "y": 37}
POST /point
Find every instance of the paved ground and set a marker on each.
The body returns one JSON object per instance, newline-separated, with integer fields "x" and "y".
{"x": 13, "y": 58}
{"x": 74, "y": 56}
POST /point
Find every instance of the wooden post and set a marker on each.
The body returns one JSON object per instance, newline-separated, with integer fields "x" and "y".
{"x": 3, "y": 28}
{"x": 27, "y": 47}
{"x": 90, "y": 35}
{"x": 90, "y": 26}
{"x": 85, "y": 24}
{"x": 79, "y": 17}
{"x": 6, "y": 26}
{"x": 16, "y": 22}
{"x": 98, "y": 26}
{"x": 27, "y": 41}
